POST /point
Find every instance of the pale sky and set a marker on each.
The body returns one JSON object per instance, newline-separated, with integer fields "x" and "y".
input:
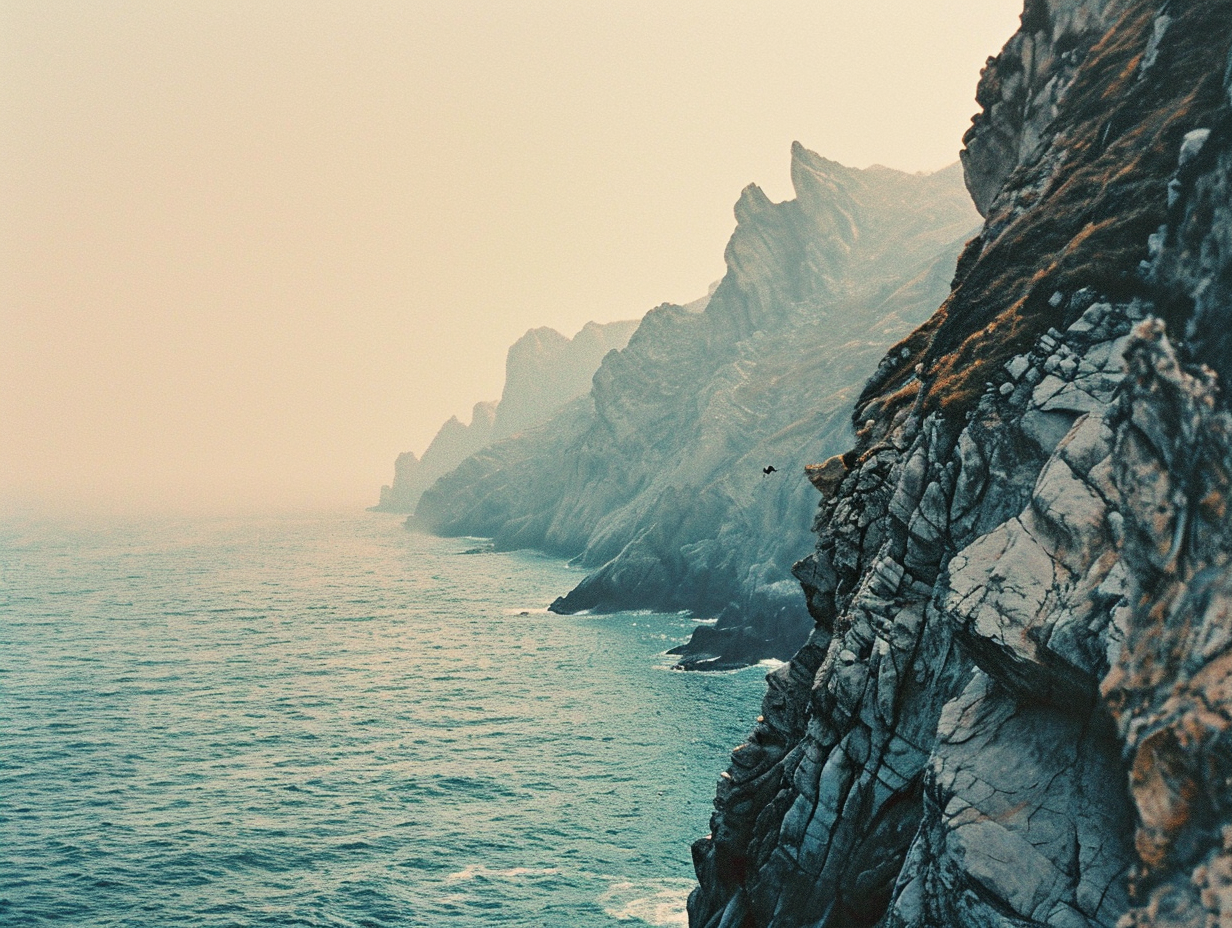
{"x": 249, "y": 251}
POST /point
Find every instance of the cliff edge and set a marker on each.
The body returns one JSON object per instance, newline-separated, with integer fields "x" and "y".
{"x": 656, "y": 482}
{"x": 1015, "y": 706}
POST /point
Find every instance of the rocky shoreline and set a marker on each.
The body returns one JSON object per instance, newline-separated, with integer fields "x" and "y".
{"x": 655, "y": 482}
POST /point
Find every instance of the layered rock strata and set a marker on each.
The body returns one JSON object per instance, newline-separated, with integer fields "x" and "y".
{"x": 1015, "y": 707}
{"x": 655, "y": 484}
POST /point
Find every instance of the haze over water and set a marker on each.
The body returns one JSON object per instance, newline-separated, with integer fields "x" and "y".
{"x": 249, "y": 252}
{"x": 328, "y": 721}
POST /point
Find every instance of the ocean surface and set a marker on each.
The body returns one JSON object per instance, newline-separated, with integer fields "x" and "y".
{"x": 326, "y": 720}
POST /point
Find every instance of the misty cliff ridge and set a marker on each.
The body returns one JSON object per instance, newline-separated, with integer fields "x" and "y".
{"x": 654, "y": 481}
{"x": 544, "y": 371}
{"x": 1015, "y": 706}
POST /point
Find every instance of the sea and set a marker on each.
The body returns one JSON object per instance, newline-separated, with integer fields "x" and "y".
{"x": 323, "y": 719}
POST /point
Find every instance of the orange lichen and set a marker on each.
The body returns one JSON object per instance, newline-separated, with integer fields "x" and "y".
{"x": 1214, "y": 506}
{"x": 827, "y": 476}
{"x": 1164, "y": 791}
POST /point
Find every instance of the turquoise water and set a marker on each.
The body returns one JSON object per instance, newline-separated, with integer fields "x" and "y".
{"x": 328, "y": 721}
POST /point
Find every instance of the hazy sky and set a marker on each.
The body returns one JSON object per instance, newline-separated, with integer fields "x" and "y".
{"x": 249, "y": 251}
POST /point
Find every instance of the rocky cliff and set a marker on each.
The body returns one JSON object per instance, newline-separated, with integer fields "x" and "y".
{"x": 1015, "y": 706}
{"x": 655, "y": 482}
{"x": 544, "y": 371}
{"x": 454, "y": 442}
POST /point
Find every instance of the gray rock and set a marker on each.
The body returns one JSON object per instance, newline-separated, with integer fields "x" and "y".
{"x": 1032, "y": 724}
{"x": 1018, "y": 366}
{"x": 656, "y": 487}
{"x": 454, "y": 442}
{"x": 544, "y": 372}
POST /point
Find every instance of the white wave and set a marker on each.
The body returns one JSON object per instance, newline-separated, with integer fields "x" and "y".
{"x": 652, "y": 902}
{"x": 769, "y": 664}
{"x": 507, "y": 875}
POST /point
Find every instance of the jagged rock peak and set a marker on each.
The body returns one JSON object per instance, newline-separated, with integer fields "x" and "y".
{"x": 544, "y": 371}
{"x": 1015, "y": 706}
{"x": 655, "y": 483}
{"x": 844, "y": 234}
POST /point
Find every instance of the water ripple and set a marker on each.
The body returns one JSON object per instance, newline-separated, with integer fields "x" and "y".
{"x": 327, "y": 721}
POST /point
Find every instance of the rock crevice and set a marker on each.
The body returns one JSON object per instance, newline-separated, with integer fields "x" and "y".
{"x": 1014, "y": 708}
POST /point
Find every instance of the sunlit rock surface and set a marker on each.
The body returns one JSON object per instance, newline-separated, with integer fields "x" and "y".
{"x": 655, "y": 483}
{"x": 1015, "y": 706}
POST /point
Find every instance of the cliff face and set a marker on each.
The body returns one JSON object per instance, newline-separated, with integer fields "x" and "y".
{"x": 656, "y": 483}
{"x": 1021, "y": 89}
{"x": 454, "y": 442}
{"x": 544, "y": 371}
{"x": 403, "y": 493}
{"x": 1015, "y": 707}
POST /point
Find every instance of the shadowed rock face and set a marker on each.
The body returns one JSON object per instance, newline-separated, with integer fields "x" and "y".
{"x": 544, "y": 371}
{"x": 1015, "y": 705}
{"x": 656, "y": 484}
{"x": 1022, "y": 87}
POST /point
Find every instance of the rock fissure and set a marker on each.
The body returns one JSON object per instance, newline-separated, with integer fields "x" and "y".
{"x": 1022, "y": 653}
